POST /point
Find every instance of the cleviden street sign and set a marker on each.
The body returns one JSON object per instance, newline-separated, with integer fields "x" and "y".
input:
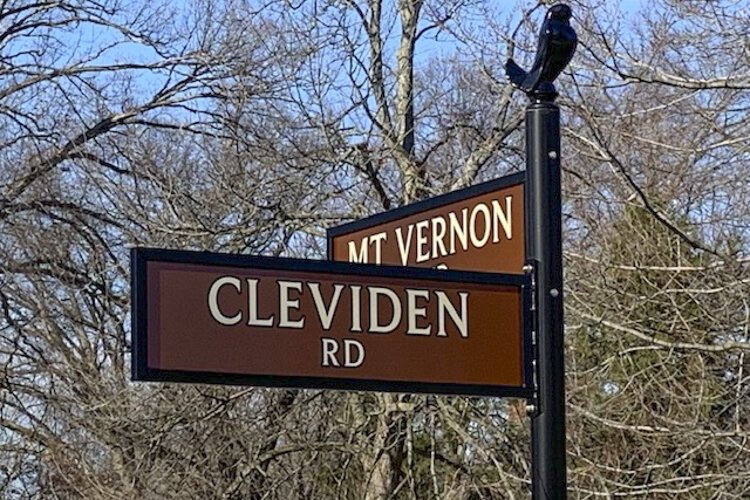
{"x": 232, "y": 319}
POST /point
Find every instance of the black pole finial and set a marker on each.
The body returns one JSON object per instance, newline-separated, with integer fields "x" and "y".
{"x": 555, "y": 48}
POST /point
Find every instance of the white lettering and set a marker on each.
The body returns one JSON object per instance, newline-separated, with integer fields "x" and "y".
{"x": 325, "y": 313}
{"x": 504, "y": 219}
{"x": 356, "y": 309}
{"x": 403, "y": 247}
{"x": 438, "y": 233}
{"x": 460, "y": 320}
{"x": 423, "y": 250}
{"x": 348, "y": 344}
{"x": 285, "y": 304}
{"x": 375, "y": 326}
{"x": 213, "y": 300}
{"x": 330, "y": 347}
{"x": 378, "y": 239}
{"x": 387, "y": 308}
{"x": 414, "y": 312}
{"x": 458, "y": 230}
{"x": 360, "y": 257}
{"x": 479, "y": 242}
{"x": 252, "y": 306}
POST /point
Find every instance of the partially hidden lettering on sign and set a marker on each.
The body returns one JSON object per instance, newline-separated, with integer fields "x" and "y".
{"x": 480, "y": 228}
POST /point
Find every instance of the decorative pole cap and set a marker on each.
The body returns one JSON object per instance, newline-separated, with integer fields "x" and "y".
{"x": 555, "y": 48}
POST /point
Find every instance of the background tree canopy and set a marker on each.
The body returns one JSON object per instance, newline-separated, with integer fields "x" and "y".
{"x": 249, "y": 127}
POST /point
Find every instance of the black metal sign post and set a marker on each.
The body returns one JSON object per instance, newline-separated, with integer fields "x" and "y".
{"x": 557, "y": 43}
{"x": 544, "y": 254}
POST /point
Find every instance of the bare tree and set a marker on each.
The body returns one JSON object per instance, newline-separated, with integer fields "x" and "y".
{"x": 657, "y": 255}
{"x": 250, "y": 127}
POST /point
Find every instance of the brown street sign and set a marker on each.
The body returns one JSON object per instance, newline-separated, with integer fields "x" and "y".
{"x": 232, "y": 319}
{"x": 480, "y": 228}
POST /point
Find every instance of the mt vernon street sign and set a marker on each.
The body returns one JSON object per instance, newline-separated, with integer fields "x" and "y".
{"x": 480, "y": 228}
{"x": 232, "y": 319}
